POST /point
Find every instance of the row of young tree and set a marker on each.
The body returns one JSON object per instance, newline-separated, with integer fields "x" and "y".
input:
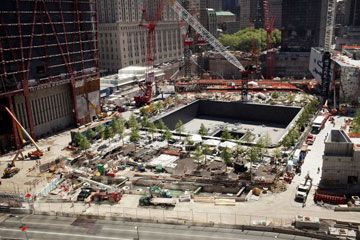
{"x": 294, "y": 134}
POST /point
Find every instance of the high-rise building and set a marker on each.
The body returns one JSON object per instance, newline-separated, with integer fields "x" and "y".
{"x": 232, "y": 6}
{"x": 208, "y": 20}
{"x": 352, "y": 13}
{"x": 214, "y": 4}
{"x": 303, "y": 24}
{"x": 48, "y": 66}
{"x": 251, "y": 10}
{"x": 122, "y": 42}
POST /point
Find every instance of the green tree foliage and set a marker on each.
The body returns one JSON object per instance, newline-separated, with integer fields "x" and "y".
{"x": 198, "y": 153}
{"x": 160, "y": 124}
{"x": 206, "y": 151}
{"x": 81, "y": 141}
{"x": 179, "y": 127}
{"x": 145, "y": 121}
{"x": 100, "y": 130}
{"x": 226, "y": 156}
{"x": 167, "y": 135}
{"x": 152, "y": 129}
{"x": 356, "y": 122}
{"x": 108, "y": 133}
{"x": 254, "y": 154}
{"x": 246, "y": 38}
{"x": 133, "y": 123}
{"x": 84, "y": 143}
{"x": 90, "y": 134}
{"x": 118, "y": 126}
{"x": 134, "y": 135}
{"x": 226, "y": 135}
{"x": 203, "y": 130}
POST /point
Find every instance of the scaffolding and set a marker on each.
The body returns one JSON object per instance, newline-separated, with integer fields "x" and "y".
{"x": 46, "y": 43}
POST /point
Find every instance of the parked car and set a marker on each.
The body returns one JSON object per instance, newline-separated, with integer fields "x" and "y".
{"x": 310, "y": 139}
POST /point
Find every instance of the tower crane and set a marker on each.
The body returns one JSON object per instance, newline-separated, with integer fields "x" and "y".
{"x": 149, "y": 22}
{"x": 269, "y": 28}
{"x": 326, "y": 60}
{"x": 205, "y": 34}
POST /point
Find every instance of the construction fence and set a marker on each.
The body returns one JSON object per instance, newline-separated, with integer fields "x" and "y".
{"x": 158, "y": 215}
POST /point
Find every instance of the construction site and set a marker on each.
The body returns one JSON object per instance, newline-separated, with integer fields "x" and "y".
{"x": 251, "y": 144}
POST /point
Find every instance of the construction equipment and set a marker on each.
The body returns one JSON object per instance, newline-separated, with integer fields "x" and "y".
{"x": 164, "y": 202}
{"x": 33, "y": 155}
{"x": 99, "y": 113}
{"x": 100, "y": 196}
{"x": 10, "y": 172}
{"x": 205, "y": 34}
{"x": 326, "y": 68}
{"x": 269, "y": 28}
{"x": 149, "y": 22}
{"x": 303, "y": 189}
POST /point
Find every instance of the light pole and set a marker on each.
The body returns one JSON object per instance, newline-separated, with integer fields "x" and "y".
{"x": 137, "y": 233}
{"x": 22, "y": 227}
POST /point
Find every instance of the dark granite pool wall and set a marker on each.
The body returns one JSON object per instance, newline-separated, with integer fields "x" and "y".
{"x": 260, "y": 113}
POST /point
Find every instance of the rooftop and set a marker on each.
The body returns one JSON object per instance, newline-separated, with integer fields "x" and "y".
{"x": 224, "y": 13}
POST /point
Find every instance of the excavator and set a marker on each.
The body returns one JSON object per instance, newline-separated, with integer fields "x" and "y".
{"x": 11, "y": 169}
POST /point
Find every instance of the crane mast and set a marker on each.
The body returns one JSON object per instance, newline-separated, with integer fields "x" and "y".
{"x": 326, "y": 68}
{"x": 194, "y": 23}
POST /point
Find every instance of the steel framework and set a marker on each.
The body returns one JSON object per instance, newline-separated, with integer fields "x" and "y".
{"x": 47, "y": 43}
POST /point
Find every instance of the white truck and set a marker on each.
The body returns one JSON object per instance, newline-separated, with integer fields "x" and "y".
{"x": 303, "y": 190}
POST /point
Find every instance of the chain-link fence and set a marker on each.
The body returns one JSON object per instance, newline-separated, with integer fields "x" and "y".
{"x": 155, "y": 214}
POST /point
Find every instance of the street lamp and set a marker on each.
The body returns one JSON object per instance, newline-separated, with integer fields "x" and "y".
{"x": 22, "y": 227}
{"x": 137, "y": 233}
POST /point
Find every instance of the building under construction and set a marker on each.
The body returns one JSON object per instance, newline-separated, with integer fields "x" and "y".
{"x": 48, "y": 66}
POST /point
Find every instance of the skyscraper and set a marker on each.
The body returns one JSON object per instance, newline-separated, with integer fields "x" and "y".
{"x": 251, "y": 10}
{"x": 48, "y": 66}
{"x": 122, "y": 42}
{"x": 303, "y": 24}
{"x": 352, "y": 13}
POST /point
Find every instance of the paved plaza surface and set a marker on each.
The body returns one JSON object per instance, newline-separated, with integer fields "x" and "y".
{"x": 47, "y": 227}
{"x": 257, "y": 129}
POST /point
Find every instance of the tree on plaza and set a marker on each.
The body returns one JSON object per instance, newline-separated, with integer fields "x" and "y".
{"x": 84, "y": 143}
{"x": 100, "y": 130}
{"x": 133, "y": 123}
{"x": 226, "y": 156}
{"x": 226, "y": 135}
{"x": 152, "y": 129}
{"x": 198, "y": 153}
{"x": 179, "y": 127}
{"x": 203, "y": 130}
{"x": 134, "y": 135}
{"x": 118, "y": 127}
{"x": 167, "y": 135}
{"x": 254, "y": 155}
{"x": 108, "y": 133}
{"x": 206, "y": 151}
{"x": 160, "y": 124}
{"x": 90, "y": 134}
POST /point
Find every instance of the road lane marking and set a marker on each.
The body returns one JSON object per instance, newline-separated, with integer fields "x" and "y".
{"x": 64, "y": 234}
{"x": 177, "y": 234}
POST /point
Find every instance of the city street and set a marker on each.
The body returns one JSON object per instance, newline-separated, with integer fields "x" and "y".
{"x": 45, "y": 227}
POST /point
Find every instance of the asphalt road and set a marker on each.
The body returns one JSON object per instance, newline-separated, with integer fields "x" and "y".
{"x": 48, "y": 227}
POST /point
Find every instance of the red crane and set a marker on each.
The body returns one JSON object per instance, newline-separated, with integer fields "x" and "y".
{"x": 149, "y": 22}
{"x": 269, "y": 28}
